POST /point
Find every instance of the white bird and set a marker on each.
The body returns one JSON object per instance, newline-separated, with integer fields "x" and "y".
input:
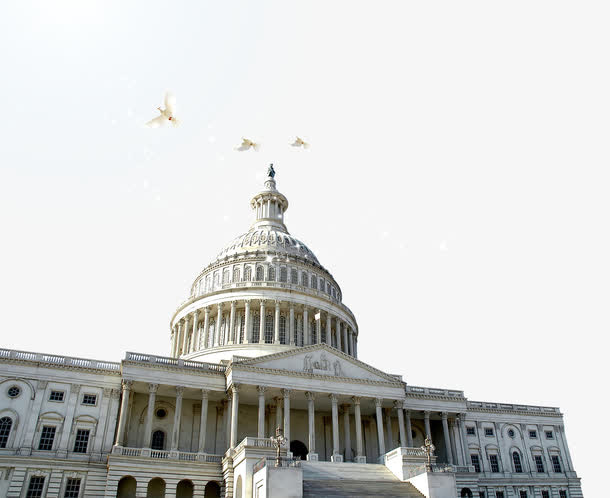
{"x": 167, "y": 114}
{"x": 299, "y": 142}
{"x": 247, "y": 144}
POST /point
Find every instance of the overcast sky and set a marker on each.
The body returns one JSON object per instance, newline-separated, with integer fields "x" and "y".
{"x": 456, "y": 187}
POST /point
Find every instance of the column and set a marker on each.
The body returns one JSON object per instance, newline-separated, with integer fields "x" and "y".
{"x": 232, "y": 338}
{"x": 276, "y": 324}
{"x": 318, "y": 327}
{"x": 279, "y": 415}
{"x": 345, "y": 343}
{"x": 206, "y": 326}
{"x": 388, "y": 424}
{"x": 427, "y": 424}
{"x": 306, "y": 337}
{"x": 218, "y": 326}
{"x": 351, "y": 343}
{"x": 179, "y": 340}
{"x": 446, "y": 438}
{"x": 247, "y": 324}
{"x": 339, "y": 334}
{"x": 409, "y": 430}
{"x": 194, "y": 336}
{"x": 329, "y": 339}
{"x": 234, "y": 413}
{"x": 204, "y": 420}
{"x": 120, "y": 435}
{"x": 380, "y": 438}
{"x": 335, "y": 457}
{"x": 312, "y": 455}
{"x": 261, "y": 411}
{"x": 561, "y": 436}
{"x": 360, "y": 458}
{"x": 62, "y": 450}
{"x": 173, "y": 342}
{"x": 177, "y": 415}
{"x": 185, "y": 335}
{"x": 454, "y": 453}
{"x": 348, "y": 436}
{"x": 291, "y": 326}
{"x": 261, "y": 330}
{"x": 401, "y": 424}
{"x": 286, "y": 393}
{"x": 152, "y": 396}
{"x": 461, "y": 422}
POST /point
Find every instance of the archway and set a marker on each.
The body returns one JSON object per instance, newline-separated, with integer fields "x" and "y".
{"x": 238, "y": 488}
{"x": 466, "y": 493}
{"x": 158, "y": 440}
{"x": 156, "y": 488}
{"x": 126, "y": 488}
{"x": 212, "y": 490}
{"x": 298, "y": 449}
{"x": 185, "y": 489}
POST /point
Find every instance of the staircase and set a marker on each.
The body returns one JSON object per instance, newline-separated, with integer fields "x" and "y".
{"x": 335, "y": 480}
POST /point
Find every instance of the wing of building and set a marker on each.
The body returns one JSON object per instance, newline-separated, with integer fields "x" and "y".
{"x": 263, "y": 394}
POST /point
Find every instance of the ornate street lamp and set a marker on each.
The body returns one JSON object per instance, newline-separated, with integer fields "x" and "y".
{"x": 429, "y": 448}
{"x": 278, "y": 441}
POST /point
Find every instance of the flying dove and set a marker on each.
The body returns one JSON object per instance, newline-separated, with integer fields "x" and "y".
{"x": 299, "y": 142}
{"x": 247, "y": 144}
{"x": 167, "y": 114}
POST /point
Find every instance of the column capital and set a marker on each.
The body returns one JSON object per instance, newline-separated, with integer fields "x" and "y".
{"x": 235, "y": 388}
{"x": 310, "y": 396}
{"x": 152, "y": 388}
{"x": 345, "y": 407}
{"x": 378, "y": 402}
{"x": 407, "y": 412}
{"x": 277, "y": 303}
{"x": 261, "y": 390}
{"x": 219, "y": 306}
{"x": 206, "y": 310}
{"x": 397, "y": 404}
{"x": 444, "y": 415}
{"x": 286, "y": 393}
{"x": 356, "y": 400}
{"x": 233, "y": 303}
{"x": 115, "y": 393}
{"x": 427, "y": 414}
{"x": 179, "y": 391}
{"x": 127, "y": 385}
{"x": 333, "y": 397}
{"x": 204, "y": 394}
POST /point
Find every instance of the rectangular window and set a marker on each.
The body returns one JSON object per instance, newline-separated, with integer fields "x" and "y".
{"x": 56, "y": 396}
{"x": 46, "y": 438}
{"x": 72, "y": 488}
{"x": 36, "y": 487}
{"x": 563, "y": 493}
{"x": 545, "y": 494}
{"x": 539, "y": 464}
{"x": 89, "y": 399}
{"x": 556, "y": 463}
{"x": 81, "y": 441}
{"x": 499, "y": 494}
{"x": 522, "y": 494}
{"x": 493, "y": 460}
{"x": 533, "y": 434}
{"x": 475, "y": 463}
{"x": 470, "y": 431}
{"x": 548, "y": 434}
{"x": 489, "y": 431}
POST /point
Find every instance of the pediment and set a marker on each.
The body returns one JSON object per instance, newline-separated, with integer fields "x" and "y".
{"x": 319, "y": 360}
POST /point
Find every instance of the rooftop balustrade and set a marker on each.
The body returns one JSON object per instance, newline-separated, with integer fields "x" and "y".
{"x": 58, "y": 360}
{"x": 174, "y": 362}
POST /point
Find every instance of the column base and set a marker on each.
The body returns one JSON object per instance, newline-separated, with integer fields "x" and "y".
{"x": 360, "y": 459}
{"x": 312, "y": 457}
{"x": 145, "y": 452}
{"x": 173, "y": 455}
{"x": 336, "y": 458}
{"x": 116, "y": 449}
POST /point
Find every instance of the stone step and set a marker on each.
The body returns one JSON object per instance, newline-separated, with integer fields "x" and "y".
{"x": 355, "y": 488}
{"x": 346, "y": 471}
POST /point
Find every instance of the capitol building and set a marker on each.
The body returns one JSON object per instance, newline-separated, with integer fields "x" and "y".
{"x": 263, "y": 361}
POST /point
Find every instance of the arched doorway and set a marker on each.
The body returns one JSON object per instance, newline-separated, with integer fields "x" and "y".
{"x": 298, "y": 449}
{"x": 238, "y": 488}
{"x": 466, "y": 493}
{"x": 158, "y": 440}
{"x": 185, "y": 489}
{"x": 156, "y": 488}
{"x": 212, "y": 490}
{"x": 126, "y": 488}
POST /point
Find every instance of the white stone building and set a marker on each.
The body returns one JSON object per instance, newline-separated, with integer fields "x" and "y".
{"x": 263, "y": 341}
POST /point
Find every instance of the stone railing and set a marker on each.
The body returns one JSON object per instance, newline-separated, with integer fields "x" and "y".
{"x": 441, "y": 467}
{"x": 284, "y": 462}
{"x": 56, "y": 360}
{"x": 166, "y": 455}
{"x": 548, "y": 410}
{"x": 255, "y": 442}
{"x": 174, "y": 362}
{"x": 431, "y": 391}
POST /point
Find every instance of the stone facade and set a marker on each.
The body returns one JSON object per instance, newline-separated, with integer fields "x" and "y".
{"x": 263, "y": 341}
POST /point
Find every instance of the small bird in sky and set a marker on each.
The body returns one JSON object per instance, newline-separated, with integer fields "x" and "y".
{"x": 299, "y": 142}
{"x": 247, "y": 144}
{"x": 167, "y": 114}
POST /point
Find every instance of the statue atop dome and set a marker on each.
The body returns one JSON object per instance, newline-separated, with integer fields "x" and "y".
{"x": 271, "y": 171}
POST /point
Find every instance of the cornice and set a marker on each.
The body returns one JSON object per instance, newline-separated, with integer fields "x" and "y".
{"x": 59, "y": 366}
{"x": 170, "y": 368}
{"x": 505, "y": 411}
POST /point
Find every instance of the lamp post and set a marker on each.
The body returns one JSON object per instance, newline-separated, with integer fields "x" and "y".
{"x": 429, "y": 448}
{"x": 278, "y": 441}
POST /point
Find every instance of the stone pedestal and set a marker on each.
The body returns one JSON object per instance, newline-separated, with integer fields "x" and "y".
{"x": 336, "y": 458}
{"x": 312, "y": 457}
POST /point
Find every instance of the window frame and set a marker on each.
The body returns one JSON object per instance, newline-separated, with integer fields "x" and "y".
{"x": 556, "y": 463}
{"x": 489, "y": 432}
{"x": 533, "y": 434}
{"x": 79, "y": 443}
{"x": 517, "y": 462}
{"x": 7, "y": 439}
{"x": 82, "y": 400}
{"x": 53, "y": 440}
{"x": 539, "y": 462}
{"x": 494, "y": 462}
{"x": 471, "y": 430}
{"x": 549, "y": 435}
{"x": 55, "y": 391}
{"x": 475, "y": 461}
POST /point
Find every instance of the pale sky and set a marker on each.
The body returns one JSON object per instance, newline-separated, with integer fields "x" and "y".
{"x": 456, "y": 187}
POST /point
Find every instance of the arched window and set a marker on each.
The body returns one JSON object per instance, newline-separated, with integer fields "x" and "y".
{"x": 283, "y": 274}
{"x": 517, "y": 462}
{"x": 238, "y": 488}
{"x": 222, "y": 331}
{"x": 313, "y": 332}
{"x": 304, "y": 279}
{"x": 185, "y": 489}
{"x": 216, "y": 280}
{"x": 248, "y": 274}
{"x": 321, "y": 284}
{"x": 211, "y": 330}
{"x": 156, "y": 488}
{"x": 126, "y": 488}
{"x": 158, "y": 440}
{"x": 259, "y": 273}
{"x": 322, "y": 331}
{"x": 314, "y": 282}
{"x": 299, "y": 333}
{"x": 236, "y": 274}
{"x": 207, "y": 283}
{"x": 212, "y": 490}
{"x": 271, "y": 274}
{"x": 269, "y": 328}
{"x": 294, "y": 276}
{"x": 225, "y": 276}
{"x": 240, "y": 323}
{"x": 256, "y": 326}
{"x": 6, "y": 423}
{"x": 327, "y": 288}
{"x": 282, "y": 329}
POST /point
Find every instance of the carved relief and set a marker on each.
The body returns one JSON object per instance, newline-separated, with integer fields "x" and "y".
{"x": 321, "y": 365}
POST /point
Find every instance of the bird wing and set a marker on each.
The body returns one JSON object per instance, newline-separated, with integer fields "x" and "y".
{"x": 170, "y": 102}
{"x": 256, "y": 146}
{"x": 295, "y": 143}
{"x": 175, "y": 122}
{"x": 158, "y": 121}
{"x": 305, "y": 145}
{"x": 242, "y": 148}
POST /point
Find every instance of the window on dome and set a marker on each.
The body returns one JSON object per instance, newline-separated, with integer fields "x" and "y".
{"x": 304, "y": 279}
{"x": 271, "y": 274}
{"x": 222, "y": 331}
{"x": 211, "y": 330}
{"x": 283, "y": 274}
{"x": 321, "y": 284}
{"x": 248, "y": 274}
{"x": 236, "y": 274}
{"x": 259, "y": 274}
{"x": 207, "y": 283}
{"x": 313, "y": 332}
{"x": 294, "y": 276}
{"x": 322, "y": 331}
{"x": 327, "y": 288}
{"x": 256, "y": 326}
{"x": 269, "y": 328}
{"x": 225, "y": 276}
{"x": 216, "y": 280}
{"x": 282, "y": 329}
{"x": 299, "y": 338}
{"x": 314, "y": 282}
